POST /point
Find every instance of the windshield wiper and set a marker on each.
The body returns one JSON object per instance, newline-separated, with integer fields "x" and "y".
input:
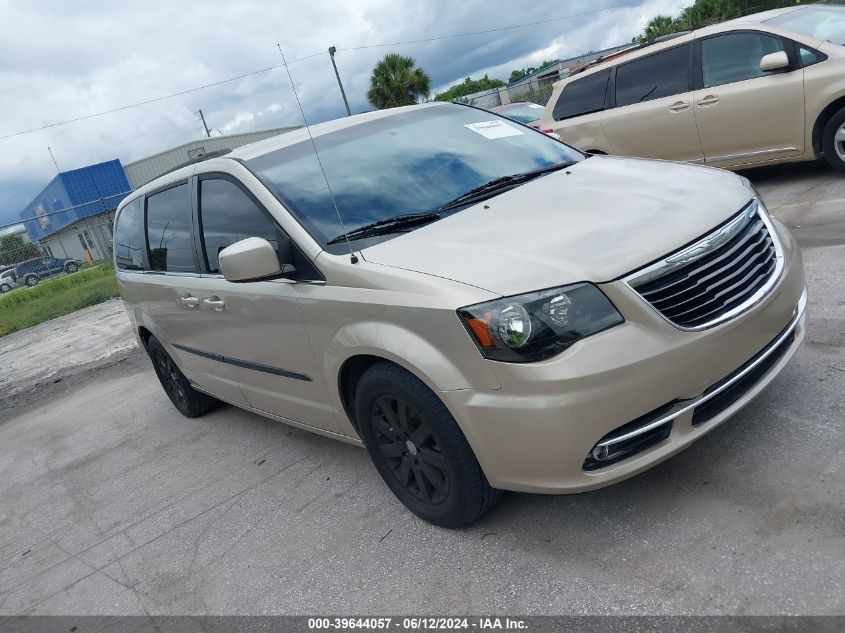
{"x": 489, "y": 189}
{"x": 386, "y": 226}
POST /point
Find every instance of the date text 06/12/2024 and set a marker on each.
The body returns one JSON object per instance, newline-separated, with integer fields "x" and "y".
{"x": 416, "y": 623}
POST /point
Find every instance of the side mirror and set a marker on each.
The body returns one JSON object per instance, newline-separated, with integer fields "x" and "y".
{"x": 252, "y": 259}
{"x": 774, "y": 61}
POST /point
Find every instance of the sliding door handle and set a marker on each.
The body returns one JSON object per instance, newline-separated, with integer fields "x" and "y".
{"x": 708, "y": 100}
{"x": 215, "y": 302}
{"x": 190, "y": 301}
{"x": 679, "y": 106}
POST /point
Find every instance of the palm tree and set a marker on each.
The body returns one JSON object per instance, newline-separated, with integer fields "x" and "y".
{"x": 659, "y": 25}
{"x": 397, "y": 81}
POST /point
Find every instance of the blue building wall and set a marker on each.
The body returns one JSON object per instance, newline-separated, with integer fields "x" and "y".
{"x": 75, "y": 194}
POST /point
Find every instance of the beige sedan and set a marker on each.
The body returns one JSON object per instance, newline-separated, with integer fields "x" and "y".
{"x": 767, "y": 88}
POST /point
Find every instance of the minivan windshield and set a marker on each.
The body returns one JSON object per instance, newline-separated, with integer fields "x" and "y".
{"x": 824, "y": 23}
{"x": 401, "y": 165}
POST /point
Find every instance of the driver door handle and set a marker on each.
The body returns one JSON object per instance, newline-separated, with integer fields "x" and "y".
{"x": 708, "y": 100}
{"x": 215, "y": 302}
{"x": 190, "y": 301}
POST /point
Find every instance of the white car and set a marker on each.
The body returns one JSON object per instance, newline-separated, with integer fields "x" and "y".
{"x": 7, "y": 281}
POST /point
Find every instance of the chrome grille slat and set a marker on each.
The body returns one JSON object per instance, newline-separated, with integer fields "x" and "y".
{"x": 675, "y": 299}
{"x": 716, "y": 277}
{"x": 727, "y": 254}
{"x": 728, "y": 276}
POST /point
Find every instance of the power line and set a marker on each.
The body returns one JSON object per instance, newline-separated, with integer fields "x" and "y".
{"x": 496, "y": 30}
{"x": 300, "y": 59}
{"x": 154, "y": 100}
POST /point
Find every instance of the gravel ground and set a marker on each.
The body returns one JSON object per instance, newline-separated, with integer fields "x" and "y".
{"x": 114, "y": 504}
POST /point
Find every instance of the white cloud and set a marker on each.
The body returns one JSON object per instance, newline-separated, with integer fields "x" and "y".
{"x": 64, "y": 60}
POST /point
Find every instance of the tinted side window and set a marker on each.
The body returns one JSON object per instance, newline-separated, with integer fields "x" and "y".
{"x": 735, "y": 57}
{"x": 228, "y": 215}
{"x": 582, "y": 96}
{"x": 129, "y": 237}
{"x": 660, "y": 75}
{"x": 169, "y": 230}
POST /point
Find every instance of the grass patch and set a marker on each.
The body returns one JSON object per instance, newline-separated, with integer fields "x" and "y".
{"x": 56, "y": 297}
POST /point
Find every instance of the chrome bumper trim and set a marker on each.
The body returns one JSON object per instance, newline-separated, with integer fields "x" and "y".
{"x": 685, "y": 405}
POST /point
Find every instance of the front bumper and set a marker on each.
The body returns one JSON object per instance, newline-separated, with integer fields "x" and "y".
{"x": 535, "y": 433}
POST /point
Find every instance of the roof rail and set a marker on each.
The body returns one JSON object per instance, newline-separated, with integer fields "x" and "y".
{"x": 625, "y": 51}
{"x": 203, "y": 157}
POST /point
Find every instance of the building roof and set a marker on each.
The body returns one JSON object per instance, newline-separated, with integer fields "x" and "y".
{"x": 148, "y": 169}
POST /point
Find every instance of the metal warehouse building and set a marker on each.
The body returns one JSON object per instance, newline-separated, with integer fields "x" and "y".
{"x": 143, "y": 171}
{"x": 73, "y": 216}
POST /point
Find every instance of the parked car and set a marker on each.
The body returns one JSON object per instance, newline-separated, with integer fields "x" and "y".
{"x": 478, "y": 304}
{"x": 7, "y": 281}
{"x": 521, "y": 112}
{"x": 766, "y": 88}
{"x": 32, "y": 271}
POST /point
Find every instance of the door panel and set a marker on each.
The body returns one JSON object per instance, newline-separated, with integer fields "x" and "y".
{"x": 259, "y": 331}
{"x": 744, "y": 115}
{"x": 258, "y": 326}
{"x": 191, "y": 333}
{"x": 661, "y": 128}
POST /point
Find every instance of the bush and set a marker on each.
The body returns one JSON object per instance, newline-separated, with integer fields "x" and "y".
{"x": 56, "y": 297}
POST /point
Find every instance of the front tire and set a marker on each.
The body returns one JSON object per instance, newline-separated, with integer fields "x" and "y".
{"x": 187, "y": 400}
{"x": 418, "y": 448}
{"x": 833, "y": 141}
{"x": 31, "y": 280}
{"x": 72, "y": 267}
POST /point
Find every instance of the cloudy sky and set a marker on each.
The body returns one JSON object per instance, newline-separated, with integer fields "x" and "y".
{"x": 61, "y": 60}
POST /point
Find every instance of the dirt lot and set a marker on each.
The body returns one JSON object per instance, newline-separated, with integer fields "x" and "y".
{"x": 113, "y": 503}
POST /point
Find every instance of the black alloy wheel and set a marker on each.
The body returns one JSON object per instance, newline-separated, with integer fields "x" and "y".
{"x": 411, "y": 449}
{"x": 187, "y": 400}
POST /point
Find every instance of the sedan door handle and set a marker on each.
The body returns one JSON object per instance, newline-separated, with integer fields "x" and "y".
{"x": 215, "y": 302}
{"x": 679, "y": 106}
{"x": 708, "y": 100}
{"x": 188, "y": 300}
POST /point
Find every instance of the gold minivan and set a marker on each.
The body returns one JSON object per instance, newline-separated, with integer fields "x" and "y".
{"x": 763, "y": 89}
{"x": 481, "y": 306}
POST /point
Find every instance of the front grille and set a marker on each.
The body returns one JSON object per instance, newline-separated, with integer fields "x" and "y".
{"x": 715, "y": 277}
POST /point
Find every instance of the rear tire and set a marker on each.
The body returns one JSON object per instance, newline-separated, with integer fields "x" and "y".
{"x": 418, "y": 448}
{"x": 833, "y": 141}
{"x": 187, "y": 400}
{"x": 31, "y": 280}
{"x": 71, "y": 267}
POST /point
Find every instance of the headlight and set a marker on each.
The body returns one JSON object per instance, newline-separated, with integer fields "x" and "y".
{"x": 538, "y": 325}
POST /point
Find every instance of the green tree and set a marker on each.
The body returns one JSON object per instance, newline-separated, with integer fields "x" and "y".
{"x": 658, "y": 26}
{"x": 521, "y": 73}
{"x": 468, "y": 87}
{"x": 397, "y": 81}
{"x": 14, "y": 249}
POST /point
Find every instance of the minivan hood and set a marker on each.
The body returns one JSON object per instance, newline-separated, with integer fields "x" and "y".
{"x": 596, "y": 221}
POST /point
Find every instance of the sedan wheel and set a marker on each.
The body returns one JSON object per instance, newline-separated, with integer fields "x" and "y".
{"x": 833, "y": 140}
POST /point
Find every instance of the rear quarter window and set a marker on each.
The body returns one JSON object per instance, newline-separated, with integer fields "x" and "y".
{"x": 129, "y": 237}
{"x": 582, "y": 96}
{"x": 170, "y": 231}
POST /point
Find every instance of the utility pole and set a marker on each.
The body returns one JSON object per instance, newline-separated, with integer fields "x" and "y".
{"x": 207, "y": 133}
{"x": 58, "y": 171}
{"x": 332, "y": 51}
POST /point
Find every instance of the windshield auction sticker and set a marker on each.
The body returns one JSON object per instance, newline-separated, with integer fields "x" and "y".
{"x": 494, "y": 129}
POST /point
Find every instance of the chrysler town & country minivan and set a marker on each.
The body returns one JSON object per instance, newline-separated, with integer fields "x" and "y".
{"x": 481, "y": 306}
